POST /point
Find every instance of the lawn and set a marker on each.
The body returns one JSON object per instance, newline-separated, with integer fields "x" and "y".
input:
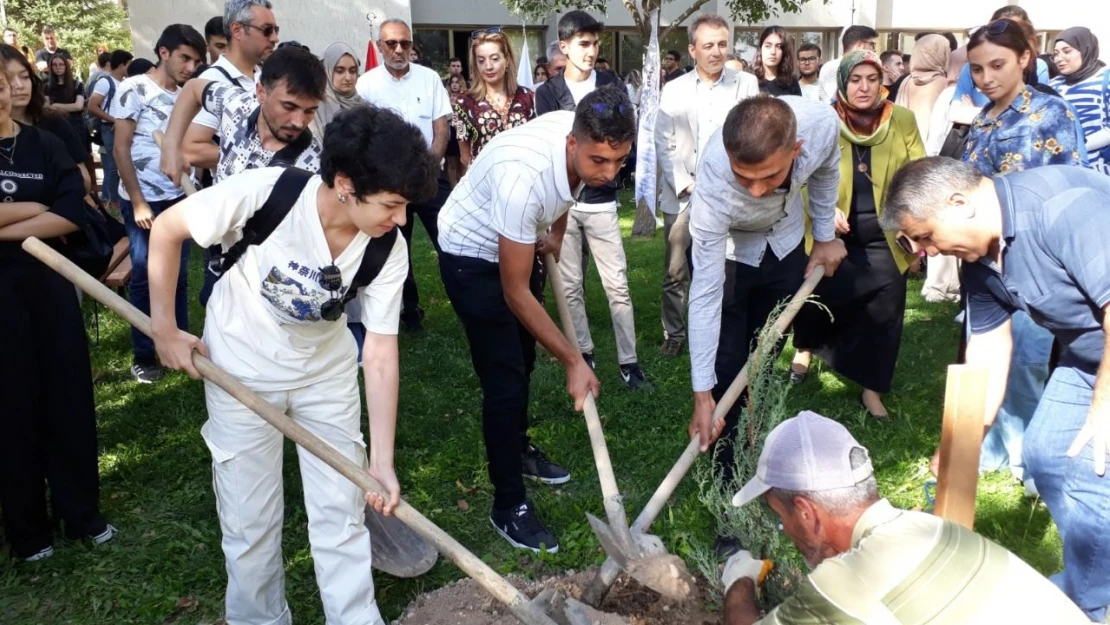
{"x": 166, "y": 565}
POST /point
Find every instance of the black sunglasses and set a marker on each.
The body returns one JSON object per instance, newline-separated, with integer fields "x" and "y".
{"x": 606, "y": 111}
{"x": 269, "y": 30}
{"x": 906, "y": 245}
{"x": 405, "y": 44}
{"x": 489, "y": 31}
{"x": 331, "y": 280}
{"x": 998, "y": 27}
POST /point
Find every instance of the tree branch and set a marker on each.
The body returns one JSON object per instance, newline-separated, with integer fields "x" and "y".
{"x": 682, "y": 18}
{"x": 636, "y": 18}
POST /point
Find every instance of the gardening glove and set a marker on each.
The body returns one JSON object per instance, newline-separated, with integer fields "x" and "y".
{"x": 742, "y": 565}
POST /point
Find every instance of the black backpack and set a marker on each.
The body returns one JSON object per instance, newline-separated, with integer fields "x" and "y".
{"x": 262, "y": 224}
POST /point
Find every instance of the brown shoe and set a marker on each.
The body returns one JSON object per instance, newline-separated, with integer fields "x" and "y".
{"x": 671, "y": 347}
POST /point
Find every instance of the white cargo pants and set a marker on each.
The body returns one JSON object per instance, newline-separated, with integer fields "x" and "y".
{"x": 246, "y": 476}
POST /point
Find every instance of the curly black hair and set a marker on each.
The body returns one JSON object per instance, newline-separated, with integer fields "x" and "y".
{"x": 379, "y": 151}
{"x": 605, "y": 114}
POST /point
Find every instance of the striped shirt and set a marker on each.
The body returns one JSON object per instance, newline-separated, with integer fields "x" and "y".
{"x": 1092, "y": 103}
{"x": 516, "y": 188}
{"x": 913, "y": 568}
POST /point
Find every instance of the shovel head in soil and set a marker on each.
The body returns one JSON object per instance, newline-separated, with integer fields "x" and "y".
{"x": 396, "y": 548}
{"x": 647, "y": 561}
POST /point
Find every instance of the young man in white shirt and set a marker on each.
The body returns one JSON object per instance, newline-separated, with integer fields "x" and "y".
{"x": 692, "y": 107}
{"x": 592, "y": 228}
{"x": 105, "y": 90}
{"x": 809, "y": 64}
{"x": 276, "y": 323}
{"x": 854, "y": 38}
{"x": 417, "y": 94}
{"x": 511, "y": 208}
{"x": 144, "y": 106}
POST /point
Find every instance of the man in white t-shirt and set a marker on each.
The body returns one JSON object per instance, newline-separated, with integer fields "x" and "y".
{"x": 143, "y": 106}
{"x": 854, "y": 38}
{"x": 252, "y": 35}
{"x": 417, "y": 94}
{"x": 105, "y": 89}
{"x": 275, "y": 322}
{"x": 491, "y": 230}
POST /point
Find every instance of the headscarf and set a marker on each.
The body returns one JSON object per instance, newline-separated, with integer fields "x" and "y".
{"x": 956, "y": 63}
{"x": 334, "y": 101}
{"x": 928, "y": 77}
{"x": 862, "y": 127}
{"x": 1083, "y": 40}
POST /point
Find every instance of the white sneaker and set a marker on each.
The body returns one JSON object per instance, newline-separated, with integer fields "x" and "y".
{"x": 42, "y": 555}
{"x": 108, "y": 534}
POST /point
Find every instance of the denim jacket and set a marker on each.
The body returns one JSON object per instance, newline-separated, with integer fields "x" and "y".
{"x": 1037, "y": 129}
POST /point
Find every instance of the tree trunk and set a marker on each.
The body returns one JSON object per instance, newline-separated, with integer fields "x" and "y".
{"x": 645, "y": 224}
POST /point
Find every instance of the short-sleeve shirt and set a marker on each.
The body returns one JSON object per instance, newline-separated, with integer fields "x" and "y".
{"x": 102, "y": 87}
{"x": 913, "y": 568}
{"x": 516, "y": 188}
{"x": 1055, "y": 263}
{"x": 419, "y": 96}
{"x": 264, "y": 324}
{"x": 213, "y": 73}
{"x": 149, "y": 105}
{"x": 1037, "y": 129}
{"x": 477, "y": 122}
{"x": 240, "y": 144}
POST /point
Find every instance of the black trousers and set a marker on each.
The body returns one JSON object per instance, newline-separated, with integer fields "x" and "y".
{"x": 428, "y": 212}
{"x": 47, "y": 413}
{"x": 504, "y": 356}
{"x": 751, "y": 294}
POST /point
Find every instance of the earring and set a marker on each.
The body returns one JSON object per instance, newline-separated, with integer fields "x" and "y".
{"x": 342, "y": 198}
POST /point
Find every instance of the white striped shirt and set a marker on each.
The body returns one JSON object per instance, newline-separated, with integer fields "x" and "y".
{"x": 1091, "y": 103}
{"x": 516, "y": 188}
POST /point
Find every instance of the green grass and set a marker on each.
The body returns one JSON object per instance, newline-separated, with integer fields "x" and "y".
{"x": 166, "y": 565}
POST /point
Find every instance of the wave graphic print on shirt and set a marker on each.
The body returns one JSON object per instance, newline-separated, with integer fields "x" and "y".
{"x": 293, "y": 294}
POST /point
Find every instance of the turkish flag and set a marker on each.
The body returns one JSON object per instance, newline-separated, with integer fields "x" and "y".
{"x": 371, "y": 56}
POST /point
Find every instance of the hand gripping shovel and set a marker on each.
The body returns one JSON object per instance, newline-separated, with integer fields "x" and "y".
{"x": 398, "y": 550}
{"x": 496, "y": 585}
{"x": 597, "y": 589}
{"x": 642, "y": 556}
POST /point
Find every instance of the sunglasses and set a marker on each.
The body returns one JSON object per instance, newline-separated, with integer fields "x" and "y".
{"x": 489, "y": 31}
{"x": 331, "y": 280}
{"x": 269, "y": 30}
{"x": 405, "y": 44}
{"x": 906, "y": 245}
{"x": 998, "y": 27}
{"x": 607, "y": 111}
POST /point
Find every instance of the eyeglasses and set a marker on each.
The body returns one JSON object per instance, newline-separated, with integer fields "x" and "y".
{"x": 269, "y": 30}
{"x": 606, "y": 111}
{"x": 489, "y": 31}
{"x": 808, "y": 59}
{"x": 406, "y": 44}
{"x": 331, "y": 280}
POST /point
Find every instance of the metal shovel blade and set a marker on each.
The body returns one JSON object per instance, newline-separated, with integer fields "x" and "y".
{"x": 396, "y": 548}
{"x": 647, "y": 561}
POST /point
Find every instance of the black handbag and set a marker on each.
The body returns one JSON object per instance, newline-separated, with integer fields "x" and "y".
{"x": 91, "y": 247}
{"x": 955, "y": 144}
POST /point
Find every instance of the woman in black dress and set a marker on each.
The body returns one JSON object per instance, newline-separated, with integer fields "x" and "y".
{"x": 867, "y": 296}
{"x": 774, "y": 65}
{"x": 49, "y": 436}
{"x": 66, "y": 95}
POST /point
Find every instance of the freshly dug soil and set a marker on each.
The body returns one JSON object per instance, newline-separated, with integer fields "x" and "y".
{"x": 466, "y": 603}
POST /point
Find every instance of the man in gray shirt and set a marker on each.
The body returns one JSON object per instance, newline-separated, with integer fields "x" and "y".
{"x": 747, "y": 226}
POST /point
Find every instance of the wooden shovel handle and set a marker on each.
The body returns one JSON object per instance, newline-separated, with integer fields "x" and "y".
{"x": 467, "y": 561}
{"x": 186, "y": 182}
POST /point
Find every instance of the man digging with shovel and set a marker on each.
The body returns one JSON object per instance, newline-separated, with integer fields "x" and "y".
{"x": 297, "y": 249}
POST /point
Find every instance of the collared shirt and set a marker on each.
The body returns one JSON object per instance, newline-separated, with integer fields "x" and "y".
{"x": 913, "y": 568}
{"x": 419, "y": 96}
{"x": 1037, "y": 129}
{"x": 240, "y": 144}
{"x": 516, "y": 188}
{"x": 711, "y": 110}
{"x": 204, "y": 118}
{"x": 1055, "y": 263}
{"x": 727, "y": 223}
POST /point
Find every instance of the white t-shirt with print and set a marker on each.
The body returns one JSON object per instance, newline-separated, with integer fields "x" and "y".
{"x": 208, "y": 120}
{"x": 149, "y": 105}
{"x": 263, "y": 322}
{"x": 581, "y": 89}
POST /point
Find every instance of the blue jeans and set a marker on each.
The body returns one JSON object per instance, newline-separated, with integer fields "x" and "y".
{"x": 109, "y": 191}
{"x": 1002, "y": 446}
{"x": 1077, "y": 498}
{"x": 139, "y": 288}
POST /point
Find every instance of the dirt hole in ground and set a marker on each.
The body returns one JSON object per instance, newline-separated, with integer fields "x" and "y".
{"x": 465, "y": 603}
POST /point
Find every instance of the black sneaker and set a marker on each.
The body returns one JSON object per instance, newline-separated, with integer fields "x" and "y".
{"x": 671, "y": 347}
{"x": 539, "y": 468}
{"x": 523, "y": 529}
{"x": 147, "y": 373}
{"x": 590, "y": 360}
{"x": 634, "y": 378}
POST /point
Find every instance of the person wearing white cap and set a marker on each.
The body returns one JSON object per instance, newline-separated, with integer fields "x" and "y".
{"x": 871, "y": 562}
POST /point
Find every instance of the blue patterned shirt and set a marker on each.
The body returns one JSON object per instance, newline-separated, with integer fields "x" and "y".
{"x": 1092, "y": 104}
{"x": 1037, "y": 129}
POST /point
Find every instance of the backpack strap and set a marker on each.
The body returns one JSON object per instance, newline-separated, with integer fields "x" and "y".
{"x": 223, "y": 71}
{"x": 288, "y": 155}
{"x": 262, "y": 224}
{"x": 373, "y": 260}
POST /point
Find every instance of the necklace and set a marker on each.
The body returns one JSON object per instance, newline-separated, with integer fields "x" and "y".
{"x": 500, "y": 104}
{"x": 9, "y": 152}
{"x": 862, "y": 166}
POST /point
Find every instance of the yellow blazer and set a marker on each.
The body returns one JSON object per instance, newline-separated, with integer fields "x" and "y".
{"x": 902, "y": 145}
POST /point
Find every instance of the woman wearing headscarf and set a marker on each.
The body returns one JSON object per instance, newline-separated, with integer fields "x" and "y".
{"x": 867, "y": 295}
{"x": 342, "y": 66}
{"x": 1083, "y": 81}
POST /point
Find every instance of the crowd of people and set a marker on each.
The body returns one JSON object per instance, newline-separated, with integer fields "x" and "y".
{"x": 981, "y": 165}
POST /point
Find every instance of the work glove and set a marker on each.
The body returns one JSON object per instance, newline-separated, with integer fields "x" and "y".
{"x": 744, "y": 565}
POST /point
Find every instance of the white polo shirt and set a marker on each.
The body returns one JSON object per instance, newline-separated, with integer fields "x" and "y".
{"x": 208, "y": 120}
{"x": 516, "y": 188}
{"x": 419, "y": 96}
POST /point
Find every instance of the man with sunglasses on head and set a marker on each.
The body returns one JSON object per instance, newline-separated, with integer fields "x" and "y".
{"x": 510, "y": 207}
{"x": 417, "y": 94}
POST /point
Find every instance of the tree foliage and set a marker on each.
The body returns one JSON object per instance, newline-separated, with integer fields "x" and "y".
{"x": 81, "y": 25}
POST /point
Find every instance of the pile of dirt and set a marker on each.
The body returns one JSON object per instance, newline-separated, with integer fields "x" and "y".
{"x": 465, "y": 603}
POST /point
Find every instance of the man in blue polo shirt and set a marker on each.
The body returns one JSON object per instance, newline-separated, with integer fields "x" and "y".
{"x": 1034, "y": 241}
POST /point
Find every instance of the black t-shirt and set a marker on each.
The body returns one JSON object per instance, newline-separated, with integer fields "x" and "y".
{"x": 60, "y": 128}
{"x": 42, "y": 172}
{"x": 774, "y": 88}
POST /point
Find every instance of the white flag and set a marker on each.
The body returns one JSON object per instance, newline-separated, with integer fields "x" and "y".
{"x": 649, "y": 109}
{"x": 524, "y": 68}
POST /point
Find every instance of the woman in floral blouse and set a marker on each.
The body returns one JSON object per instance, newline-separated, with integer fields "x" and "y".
{"x": 495, "y": 102}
